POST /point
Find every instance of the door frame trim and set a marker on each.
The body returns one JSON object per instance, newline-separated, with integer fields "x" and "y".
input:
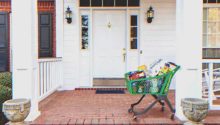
{"x": 89, "y": 51}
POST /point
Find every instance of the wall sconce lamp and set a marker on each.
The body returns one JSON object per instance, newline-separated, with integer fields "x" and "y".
{"x": 69, "y": 15}
{"x": 150, "y": 14}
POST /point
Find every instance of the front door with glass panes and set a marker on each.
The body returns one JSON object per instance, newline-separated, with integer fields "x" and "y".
{"x": 109, "y": 38}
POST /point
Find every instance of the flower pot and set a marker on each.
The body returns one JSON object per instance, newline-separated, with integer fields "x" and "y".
{"x": 195, "y": 109}
{"x": 16, "y": 110}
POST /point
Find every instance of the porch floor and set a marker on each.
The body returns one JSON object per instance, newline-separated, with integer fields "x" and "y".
{"x": 86, "y": 107}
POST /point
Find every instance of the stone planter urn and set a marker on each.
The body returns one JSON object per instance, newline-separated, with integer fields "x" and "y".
{"x": 195, "y": 110}
{"x": 16, "y": 110}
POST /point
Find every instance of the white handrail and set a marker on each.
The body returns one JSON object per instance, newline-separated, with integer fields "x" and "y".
{"x": 50, "y": 76}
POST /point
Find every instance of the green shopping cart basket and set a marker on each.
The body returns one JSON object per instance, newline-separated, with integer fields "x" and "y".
{"x": 157, "y": 86}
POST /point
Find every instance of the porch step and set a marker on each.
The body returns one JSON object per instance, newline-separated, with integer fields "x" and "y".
{"x": 97, "y": 82}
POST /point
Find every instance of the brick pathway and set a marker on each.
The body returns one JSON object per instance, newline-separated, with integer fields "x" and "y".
{"x": 86, "y": 107}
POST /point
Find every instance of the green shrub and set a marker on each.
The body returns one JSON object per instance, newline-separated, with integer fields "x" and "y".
{"x": 5, "y": 92}
{"x": 6, "y": 79}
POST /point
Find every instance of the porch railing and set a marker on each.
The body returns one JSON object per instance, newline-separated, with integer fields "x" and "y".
{"x": 50, "y": 76}
{"x": 211, "y": 82}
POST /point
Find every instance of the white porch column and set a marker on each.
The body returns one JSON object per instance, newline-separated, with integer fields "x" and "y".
{"x": 24, "y": 40}
{"x": 59, "y": 27}
{"x": 59, "y": 35}
{"x": 189, "y": 51}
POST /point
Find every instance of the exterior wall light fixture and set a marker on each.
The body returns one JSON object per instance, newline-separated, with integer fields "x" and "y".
{"x": 69, "y": 15}
{"x": 150, "y": 14}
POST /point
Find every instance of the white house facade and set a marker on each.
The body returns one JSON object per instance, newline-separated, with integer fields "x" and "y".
{"x": 103, "y": 40}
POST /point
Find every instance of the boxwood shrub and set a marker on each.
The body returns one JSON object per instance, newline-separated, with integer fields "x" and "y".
{"x": 5, "y": 79}
{"x": 5, "y": 92}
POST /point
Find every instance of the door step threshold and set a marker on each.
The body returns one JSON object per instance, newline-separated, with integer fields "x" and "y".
{"x": 102, "y": 87}
{"x": 109, "y": 87}
{"x": 108, "y": 82}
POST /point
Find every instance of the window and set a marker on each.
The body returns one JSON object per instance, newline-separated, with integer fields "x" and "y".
{"x": 84, "y": 3}
{"x": 133, "y": 2}
{"x": 109, "y": 3}
{"x": 211, "y": 33}
{"x": 4, "y": 42}
{"x": 96, "y": 3}
{"x": 133, "y": 32}
{"x": 85, "y": 31}
{"x": 121, "y": 3}
{"x": 211, "y": 1}
{"x": 45, "y": 35}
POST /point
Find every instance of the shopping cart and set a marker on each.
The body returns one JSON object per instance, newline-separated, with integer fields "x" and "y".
{"x": 157, "y": 86}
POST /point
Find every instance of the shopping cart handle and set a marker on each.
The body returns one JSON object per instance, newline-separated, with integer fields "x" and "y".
{"x": 172, "y": 63}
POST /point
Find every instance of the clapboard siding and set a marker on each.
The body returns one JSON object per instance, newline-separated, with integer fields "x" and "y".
{"x": 70, "y": 47}
{"x": 158, "y": 37}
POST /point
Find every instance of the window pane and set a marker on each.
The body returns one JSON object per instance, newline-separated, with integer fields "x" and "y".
{"x": 211, "y": 53}
{"x": 84, "y": 31}
{"x": 133, "y": 20}
{"x": 213, "y": 14}
{"x": 85, "y": 20}
{"x": 204, "y": 27}
{"x": 218, "y": 41}
{"x": 204, "y": 39}
{"x": 133, "y": 2}
{"x": 205, "y": 14}
{"x": 218, "y": 28}
{"x": 108, "y": 2}
{"x": 133, "y": 31}
{"x": 134, "y": 43}
{"x": 84, "y": 3}
{"x": 211, "y": 40}
{"x": 120, "y": 2}
{"x": 96, "y": 2}
{"x": 211, "y": 1}
{"x": 212, "y": 27}
{"x": 85, "y": 43}
{"x": 204, "y": 65}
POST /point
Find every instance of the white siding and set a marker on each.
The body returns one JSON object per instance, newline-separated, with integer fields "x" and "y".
{"x": 158, "y": 38}
{"x": 71, "y": 47}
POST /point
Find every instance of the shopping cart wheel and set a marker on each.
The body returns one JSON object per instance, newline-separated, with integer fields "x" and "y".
{"x": 172, "y": 116}
{"x": 163, "y": 108}
{"x": 130, "y": 110}
{"x": 134, "y": 117}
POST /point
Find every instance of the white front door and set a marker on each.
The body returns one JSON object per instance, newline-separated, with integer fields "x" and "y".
{"x": 109, "y": 37}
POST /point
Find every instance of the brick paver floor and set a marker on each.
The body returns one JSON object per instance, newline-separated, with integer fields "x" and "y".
{"x": 86, "y": 107}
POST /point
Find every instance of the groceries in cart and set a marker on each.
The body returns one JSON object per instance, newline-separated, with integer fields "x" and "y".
{"x": 158, "y": 68}
{"x": 154, "y": 81}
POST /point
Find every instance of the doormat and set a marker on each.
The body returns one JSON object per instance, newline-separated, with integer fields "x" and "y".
{"x": 103, "y": 91}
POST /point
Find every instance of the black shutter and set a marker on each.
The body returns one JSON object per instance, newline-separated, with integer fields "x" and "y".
{"x": 3, "y": 42}
{"x": 45, "y": 35}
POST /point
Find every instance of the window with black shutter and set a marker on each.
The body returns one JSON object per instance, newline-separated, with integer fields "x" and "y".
{"x": 4, "y": 55}
{"x": 45, "y": 35}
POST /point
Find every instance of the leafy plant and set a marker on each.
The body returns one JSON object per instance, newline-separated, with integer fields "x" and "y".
{"x": 5, "y": 79}
{"x": 5, "y": 92}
